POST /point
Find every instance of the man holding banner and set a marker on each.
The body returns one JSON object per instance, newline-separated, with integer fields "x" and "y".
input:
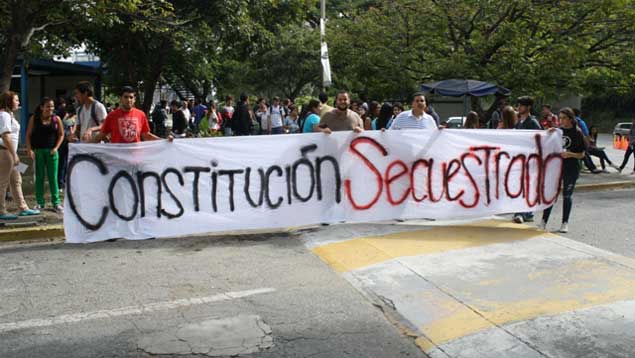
{"x": 125, "y": 124}
{"x": 341, "y": 118}
{"x": 525, "y": 121}
{"x": 416, "y": 118}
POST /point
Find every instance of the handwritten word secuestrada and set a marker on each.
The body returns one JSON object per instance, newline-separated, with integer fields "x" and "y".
{"x": 448, "y": 171}
{"x": 305, "y": 179}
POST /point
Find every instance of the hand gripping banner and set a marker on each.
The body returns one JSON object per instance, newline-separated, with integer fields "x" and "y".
{"x": 195, "y": 186}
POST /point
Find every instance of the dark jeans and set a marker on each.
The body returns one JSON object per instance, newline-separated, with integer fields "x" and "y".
{"x": 628, "y": 153}
{"x": 589, "y": 163}
{"x": 568, "y": 185}
{"x": 277, "y": 130}
{"x": 600, "y": 153}
{"x": 61, "y": 168}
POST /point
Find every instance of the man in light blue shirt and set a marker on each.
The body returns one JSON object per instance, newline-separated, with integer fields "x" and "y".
{"x": 416, "y": 118}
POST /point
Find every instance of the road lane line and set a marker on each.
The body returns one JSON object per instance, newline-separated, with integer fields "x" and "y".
{"x": 131, "y": 310}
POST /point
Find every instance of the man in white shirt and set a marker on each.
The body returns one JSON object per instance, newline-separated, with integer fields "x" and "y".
{"x": 186, "y": 112}
{"x": 416, "y": 118}
{"x": 90, "y": 114}
{"x": 276, "y": 117}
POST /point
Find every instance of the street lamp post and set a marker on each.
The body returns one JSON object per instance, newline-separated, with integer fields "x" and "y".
{"x": 324, "y": 52}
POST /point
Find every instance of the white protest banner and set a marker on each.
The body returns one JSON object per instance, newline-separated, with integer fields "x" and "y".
{"x": 194, "y": 186}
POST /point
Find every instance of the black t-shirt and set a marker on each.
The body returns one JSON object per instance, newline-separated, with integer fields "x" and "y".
{"x": 44, "y": 136}
{"x": 178, "y": 122}
{"x": 573, "y": 141}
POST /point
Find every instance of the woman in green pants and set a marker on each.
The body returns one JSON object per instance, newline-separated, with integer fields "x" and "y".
{"x": 44, "y": 135}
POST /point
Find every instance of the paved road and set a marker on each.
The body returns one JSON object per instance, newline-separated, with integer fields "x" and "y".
{"x": 602, "y": 219}
{"x": 265, "y": 294}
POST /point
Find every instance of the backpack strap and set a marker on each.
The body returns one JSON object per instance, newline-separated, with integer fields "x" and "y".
{"x": 93, "y": 114}
{"x": 55, "y": 120}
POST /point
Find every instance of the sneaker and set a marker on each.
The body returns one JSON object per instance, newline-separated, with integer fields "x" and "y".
{"x": 518, "y": 219}
{"x": 542, "y": 226}
{"x": 529, "y": 218}
{"x": 59, "y": 209}
{"x": 619, "y": 170}
{"x": 8, "y": 217}
{"x": 29, "y": 212}
{"x": 564, "y": 228}
{"x": 38, "y": 207}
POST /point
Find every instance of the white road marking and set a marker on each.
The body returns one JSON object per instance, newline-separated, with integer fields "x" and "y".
{"x": 127, "y": 311}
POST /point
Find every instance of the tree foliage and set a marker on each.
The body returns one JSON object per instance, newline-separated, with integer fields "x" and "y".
{"x": 385, "y": 48}
{"x": 546, "y": 48}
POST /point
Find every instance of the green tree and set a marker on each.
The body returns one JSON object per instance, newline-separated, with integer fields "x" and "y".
{"x": 545, "y": 48}
{"x": 289, "y": 66}
{"x": 23, "y": 23}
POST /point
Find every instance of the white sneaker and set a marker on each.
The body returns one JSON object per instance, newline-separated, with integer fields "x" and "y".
{"x": 38, "y": 207}
{"x": 542, "y": 226}
{"x": 518, "y": 219}
{"x": 564, "y": 228}
{"x": 59, "y": 209}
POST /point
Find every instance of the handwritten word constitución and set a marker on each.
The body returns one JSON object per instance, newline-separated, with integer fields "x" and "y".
{"x": 487, "y": 170}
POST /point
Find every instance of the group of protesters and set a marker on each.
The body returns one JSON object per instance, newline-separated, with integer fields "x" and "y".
{"x": 53, "y": 126}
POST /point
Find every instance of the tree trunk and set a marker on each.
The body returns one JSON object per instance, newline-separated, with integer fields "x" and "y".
{"x": 148, "y": 95}
{"x": 150, "y": 83}
{"x": 488, "y": 113}
{"x": 9, "y": 58}
{"x": 475, "y": 105}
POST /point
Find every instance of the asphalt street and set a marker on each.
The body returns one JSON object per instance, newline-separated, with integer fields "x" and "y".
{"x": 260, "y": 295}
{"x": 186, "y": 297}
{"x": 603, "y": 219}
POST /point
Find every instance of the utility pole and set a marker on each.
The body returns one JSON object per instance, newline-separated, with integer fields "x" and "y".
{"x": 324, "y": 52}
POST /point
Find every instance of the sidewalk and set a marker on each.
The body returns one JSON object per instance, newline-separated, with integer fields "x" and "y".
{"x": 605, "y": 181}
{"x": 47, "y": 225}
{"x": 490, "y": 288}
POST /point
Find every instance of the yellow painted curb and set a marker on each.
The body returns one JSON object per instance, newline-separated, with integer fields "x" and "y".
{"x": 361, "y": 252}
{"x": 31, "y": 233}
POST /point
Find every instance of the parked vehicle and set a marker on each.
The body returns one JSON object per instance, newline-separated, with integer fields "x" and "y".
{"x": 455, "y": 122}
{"x": 623, "y": 129}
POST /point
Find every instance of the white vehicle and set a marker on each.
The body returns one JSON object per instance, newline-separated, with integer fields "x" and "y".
{"x": 623, "y": 129}
{"x": 455, "y": 122}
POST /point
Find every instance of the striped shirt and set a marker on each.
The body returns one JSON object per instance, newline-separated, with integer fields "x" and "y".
{"x": 407, "y": 120}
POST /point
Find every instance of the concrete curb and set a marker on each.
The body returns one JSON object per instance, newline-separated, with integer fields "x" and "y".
{"x": 605, "y": 186}
{"x": 32, "y": 233}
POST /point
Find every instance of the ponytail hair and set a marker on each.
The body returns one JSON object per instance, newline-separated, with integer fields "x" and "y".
{"x": 38, "y": 111}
